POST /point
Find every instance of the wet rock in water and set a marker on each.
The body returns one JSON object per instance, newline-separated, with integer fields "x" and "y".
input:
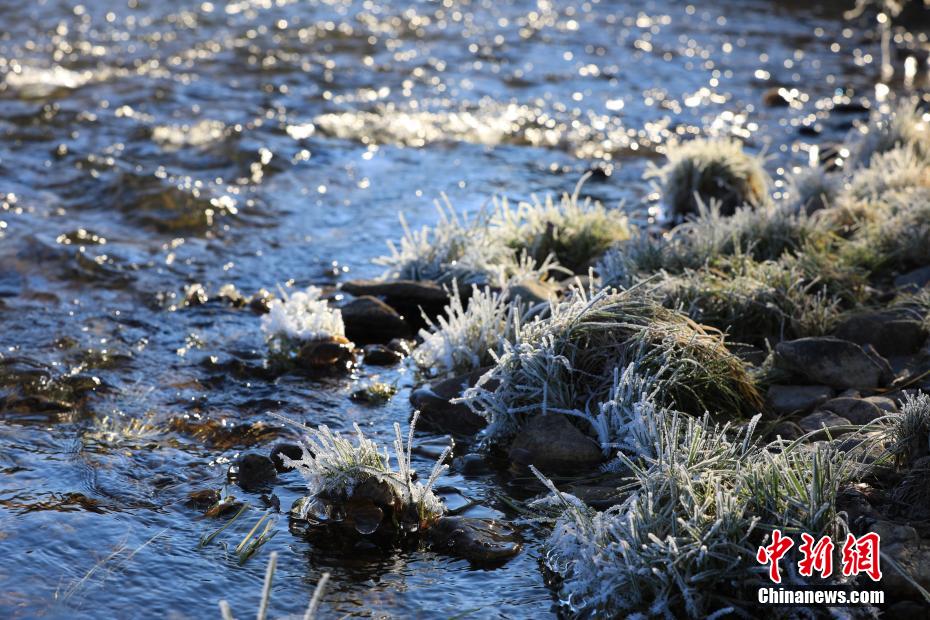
{"x": 480, "y": 541}
{"x": 203, "y": 499}
{"x": 334, "y": 355}
{"x": 776, "y": 97}
{"x": 368, "y": 320}
{"x": 438, "y": 413}
{"x": 911, "y": 496}
{"x": 825, "y": 421}
{"x": 891, "y": 332}
{"x": 260, "y": 300}
{"x": 408, "y": 297}
{"x": 381, "y": 355}
{"x": 786, "y": 430}
{"x": 471, "y": 465}
{"x": 254, "y": 472}
{"x": 291, "y": 450}
{"x": 229, "y": 294}
{"x": 401, "y": 345}
{"x": 832, "y": 361}
{"x": 856, "y": 410}
{"x": 794, "y": 399}
{"x": 374, "y": 393}
{"x": 553, "y": 444}
{"x": 913, "y": 281}
{"x": 195, "y": 295}
{"x": 225, "y": 507}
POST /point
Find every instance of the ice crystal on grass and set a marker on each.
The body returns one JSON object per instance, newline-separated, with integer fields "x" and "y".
{"x": 455, "y": 248}
{"x": 301, "y": 317}
{"x": 469, "y": 334}
{"x": 905, "y": 127}
{"x": 683, "y": 543}
{"x": 336, "y": 471}
{"x": 704, "y": 170}
{"x": 565, "y": 363}
{"x": 576, "y": 232}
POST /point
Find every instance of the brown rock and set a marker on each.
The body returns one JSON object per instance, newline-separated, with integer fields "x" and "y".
{"x": 553, "y": 444}
{"x": 830, "y": 361}
{"x": 369, "y": 320}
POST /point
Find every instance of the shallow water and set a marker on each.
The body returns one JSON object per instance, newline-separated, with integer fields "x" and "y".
{"x": 150, "y": 145}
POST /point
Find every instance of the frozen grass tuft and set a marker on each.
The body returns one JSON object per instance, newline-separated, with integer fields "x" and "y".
{"x": 754, "y": 301}
{"x": 457, "y": 248}
{"x": 575, "y": 232}
{"x": 683, "y": 543}
{"x": 529, "y": 241}
{"x": 889, "y": 171}
{"x": 301, "y": 317}
{"x": 470, "y": 333}
{"x": 334, "y": 469}
{"x": 565, "y": 363}
{"x": 704, "y": 170}
{"x": 813, "y": 189}
{"x": 905, "y": 127}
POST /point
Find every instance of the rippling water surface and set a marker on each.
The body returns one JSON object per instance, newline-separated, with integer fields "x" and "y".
{"x": 149, "y": 145}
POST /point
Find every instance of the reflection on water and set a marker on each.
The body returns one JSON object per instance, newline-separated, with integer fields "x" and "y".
{"x": 147, "y": 146}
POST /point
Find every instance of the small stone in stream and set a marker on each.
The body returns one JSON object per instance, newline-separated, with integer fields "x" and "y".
{"x": 438, "y": 413}
{"x": 471, "y": 465}
{"x": 913, "y": 281}
{"x": 231, "y": 295}
{"x": 226, "y": 506}
{"x": 380, "y": 355}
{"x": 823, "y": 421}
{"x": 810, "y": 130}
{"x": 408, "y": 297}
{"x": 553, "y": 444}
{"x": 791, "y": 399}
{"x": 333, "y": 355}
{"x": 290, "y": 450}
{"x": 480, "y": 541}
{"x": 911, "y": 496}
{"x": 369, "y": 320}
{"x": 776, "y": 97}
{"x": 401, "y": 345}
{"x": 891, "y": 332}
{"x": 374, "y": 393}
{"x": 831, "y": 361}
{"x": 203, "y": 499}
{"x": 786, "y": 430}
{"x": 254, "y": 472}
{"x": 856, "y": 410}
{"x": 195, "y": 295}
{"x": 260, "y": 300}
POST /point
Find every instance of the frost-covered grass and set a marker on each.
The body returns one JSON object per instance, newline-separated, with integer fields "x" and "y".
{"x": 702, "y": 170}
{"x": 528, "y": 241}
{"x": 300, "y": 317}
{"x": 889, "y": 171}
{"x": 813, "y": 188}
{"x": 909, "y": 429}
{"x": 565, "y": 363}
{"x": 456, "y": 248}
{"x": 683, "y": 543}
{"x": 765, "y": 233}
{"x": 905, "y": 127}
{"x": 335, "y": 469}
{"x": 754, "y": 301}
{"x": 469, "y": 334}
{"x": 574, "y": 231}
